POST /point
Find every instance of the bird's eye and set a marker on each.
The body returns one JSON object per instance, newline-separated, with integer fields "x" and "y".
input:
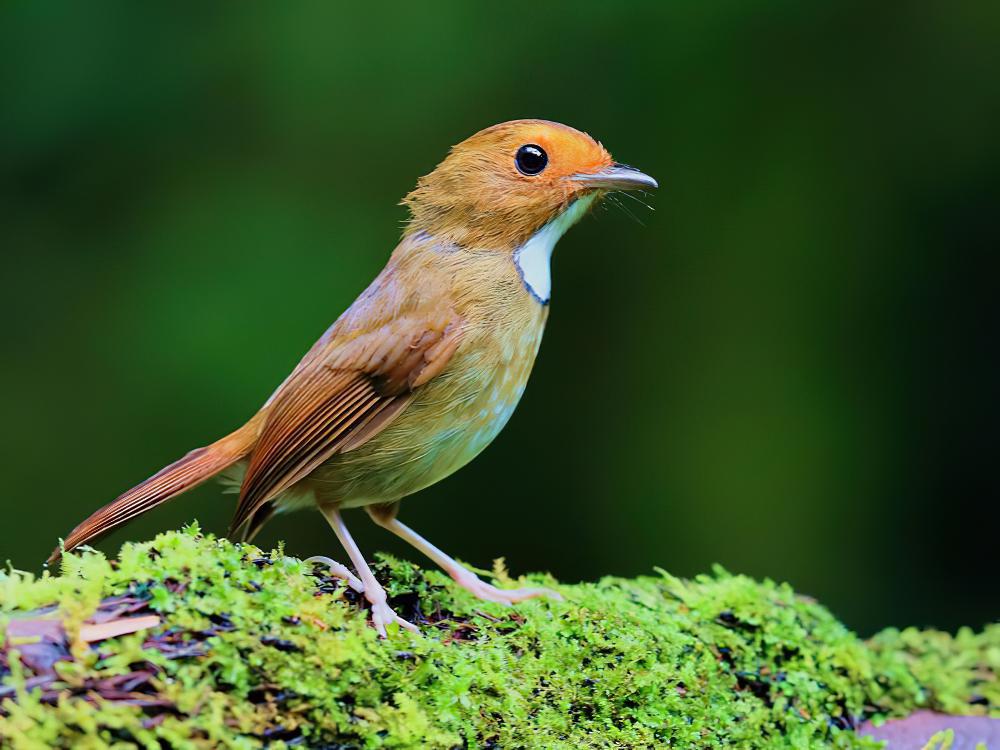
{"x": 530, "y": 159}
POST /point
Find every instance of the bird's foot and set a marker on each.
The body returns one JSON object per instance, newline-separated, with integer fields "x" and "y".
{"x": 383, "y": 614}
{"x": 482, "y": 590}
{"x": 338, "y": 570}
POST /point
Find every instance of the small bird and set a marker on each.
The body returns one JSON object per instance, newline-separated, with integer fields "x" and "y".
{"x": 424, "y": 368}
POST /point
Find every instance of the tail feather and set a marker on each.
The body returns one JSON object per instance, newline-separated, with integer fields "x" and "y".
{"x": 196, "y": 467}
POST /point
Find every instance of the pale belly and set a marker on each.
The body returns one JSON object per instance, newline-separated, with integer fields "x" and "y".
{"x": 451, "y": 420}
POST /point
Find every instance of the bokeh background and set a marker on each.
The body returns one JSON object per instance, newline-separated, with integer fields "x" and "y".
{"x": 789, "y": 367}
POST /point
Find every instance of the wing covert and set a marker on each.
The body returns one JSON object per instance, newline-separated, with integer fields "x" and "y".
{"x": 341, "y": 397}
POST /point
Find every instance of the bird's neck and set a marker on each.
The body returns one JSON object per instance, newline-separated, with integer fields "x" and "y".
{"x": 533, "y": 258}
{"x": 481, "y": 274}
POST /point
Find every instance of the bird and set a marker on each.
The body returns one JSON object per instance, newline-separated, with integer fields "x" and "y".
{"x": 424, "y": 369}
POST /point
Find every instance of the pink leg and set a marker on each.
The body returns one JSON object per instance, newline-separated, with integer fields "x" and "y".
{"x": 339, "y": 570}
{"x": 382, "y": 613}
{"x": 462, "y": 576}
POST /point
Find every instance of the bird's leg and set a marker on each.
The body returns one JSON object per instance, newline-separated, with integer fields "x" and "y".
{"x": 382, "y": 613}
{"x": 339, "y": 570}
{"x": 385, "y": 516}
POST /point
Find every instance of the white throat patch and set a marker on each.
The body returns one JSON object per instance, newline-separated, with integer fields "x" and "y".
{"x": 533, "y": 257}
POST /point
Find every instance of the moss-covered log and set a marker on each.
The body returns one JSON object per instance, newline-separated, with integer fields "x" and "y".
{"x": 189, "y": 641}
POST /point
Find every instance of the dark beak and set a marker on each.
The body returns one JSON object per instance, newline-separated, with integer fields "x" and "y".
{"x": 616, "y": 177}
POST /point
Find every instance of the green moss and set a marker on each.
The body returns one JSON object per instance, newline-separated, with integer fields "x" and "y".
{"x": 261, "y": 649}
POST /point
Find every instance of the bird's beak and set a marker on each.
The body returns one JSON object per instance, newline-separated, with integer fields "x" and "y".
{"x": 616, "y": 177}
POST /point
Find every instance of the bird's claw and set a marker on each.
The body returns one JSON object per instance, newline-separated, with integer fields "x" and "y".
{"x": 482, "y": 590}
{"x": 339, "y": 570}
{"x": 383, "y": 614}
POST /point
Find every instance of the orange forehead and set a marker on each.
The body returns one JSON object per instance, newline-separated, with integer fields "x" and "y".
{"x": 569, "y": 150}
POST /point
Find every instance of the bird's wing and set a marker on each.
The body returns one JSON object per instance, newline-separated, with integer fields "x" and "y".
{"x": 346, "y": 391}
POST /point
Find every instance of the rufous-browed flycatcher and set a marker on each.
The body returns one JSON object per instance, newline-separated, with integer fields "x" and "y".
{"x": 427, "y": 365}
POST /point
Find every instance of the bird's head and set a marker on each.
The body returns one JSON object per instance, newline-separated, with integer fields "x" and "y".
{"x": 500, "y": 187}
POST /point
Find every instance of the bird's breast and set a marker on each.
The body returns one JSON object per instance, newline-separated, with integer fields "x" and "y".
{"x": 453, "y": 417}
{"x": 502, "y": 378}
{"x": 467, "y": 408}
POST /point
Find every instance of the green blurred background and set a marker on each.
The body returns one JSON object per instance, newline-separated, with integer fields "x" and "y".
{"x": 788, "y": 369}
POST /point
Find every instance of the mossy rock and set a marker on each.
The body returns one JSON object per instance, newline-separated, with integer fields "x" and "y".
{"x": 242, "y": 648}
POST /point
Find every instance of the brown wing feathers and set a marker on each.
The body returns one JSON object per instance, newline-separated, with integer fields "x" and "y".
{"x": 346, "y": 391}
{"x": 339, "y": 402}
{"x": 342, "y": 395}
{"x": 305, "y": 432}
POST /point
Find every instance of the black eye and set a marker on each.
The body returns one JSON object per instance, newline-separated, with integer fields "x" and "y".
{"x": 530, "y": 159}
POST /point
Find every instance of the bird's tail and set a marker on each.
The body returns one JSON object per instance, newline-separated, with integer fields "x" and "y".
{"x": 180, "y": 476}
